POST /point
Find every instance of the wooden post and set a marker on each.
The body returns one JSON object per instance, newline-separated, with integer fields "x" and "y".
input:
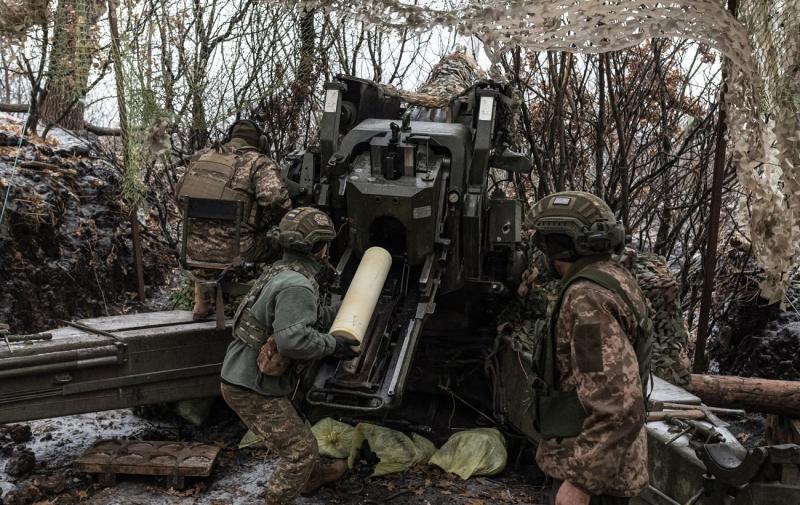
{"x": 137, "y": 254}
{"x": 126, "y": 155}
{"x": 712, "y": 231}
{"x": 599, "y": 148}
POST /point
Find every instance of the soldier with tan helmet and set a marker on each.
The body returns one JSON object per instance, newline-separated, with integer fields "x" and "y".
{"x": 277, "y": 331}
{"x": 236, "y": 170}
{"x": 592, "y": 366}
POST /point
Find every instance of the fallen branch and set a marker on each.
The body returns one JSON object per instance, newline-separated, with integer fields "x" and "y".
{"x": 101, "y": 131}
{"x": 14, "y": 107}
{"x": 749, "y": 393}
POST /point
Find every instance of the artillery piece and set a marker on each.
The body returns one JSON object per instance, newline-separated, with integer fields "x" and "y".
{"x": 419, "y": 189}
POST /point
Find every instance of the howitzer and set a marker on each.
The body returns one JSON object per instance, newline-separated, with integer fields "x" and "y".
{"x": 419, "y": 189}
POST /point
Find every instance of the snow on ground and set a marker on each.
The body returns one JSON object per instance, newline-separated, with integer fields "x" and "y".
{"x": 239, "y": 476}
{"x": 57, "y": 442}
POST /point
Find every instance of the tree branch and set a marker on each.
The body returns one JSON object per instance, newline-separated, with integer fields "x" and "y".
{"x": 101, "y": 131}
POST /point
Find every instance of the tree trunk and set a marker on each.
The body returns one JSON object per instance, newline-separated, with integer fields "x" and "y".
{"x": 752, "y": 394}
{"x": 74, "y": 46}
{"x": 305, "y": 79}
{"x": 782, "y": 430}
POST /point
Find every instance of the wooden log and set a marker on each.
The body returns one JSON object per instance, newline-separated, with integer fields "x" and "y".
{"x": 749, "y": 393}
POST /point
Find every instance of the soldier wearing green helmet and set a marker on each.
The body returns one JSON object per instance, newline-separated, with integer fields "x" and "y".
{"x": 592, "y": 367}
{"x": 278, "y": 328}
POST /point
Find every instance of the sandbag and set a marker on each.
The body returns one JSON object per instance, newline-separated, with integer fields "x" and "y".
{"x": 333, "y": 438}
{"x": 425, "y": 449}
{"x": 396, "y": 451}
{"x": 481, "y": 451}
{"x": 196, "y": 411}
{"x": 250, "y": 439}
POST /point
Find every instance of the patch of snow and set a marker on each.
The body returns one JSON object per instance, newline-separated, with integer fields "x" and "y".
{"x": 69, "y": 142}
{"x": 10, "y": 119}
{"x": 59, "y": 441}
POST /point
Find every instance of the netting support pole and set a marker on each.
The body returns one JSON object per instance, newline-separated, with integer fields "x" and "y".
{"x": 712, "y": 235}
{"x": 119, "y": 77}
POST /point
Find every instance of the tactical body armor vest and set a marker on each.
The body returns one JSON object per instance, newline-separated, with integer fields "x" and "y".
{"x": 557, "y": 413}
{"x": 246, "y": 326}
{"x": 212, "y": 176}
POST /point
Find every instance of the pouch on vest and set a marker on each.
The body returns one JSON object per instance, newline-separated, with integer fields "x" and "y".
{"x": 270, "y": 361}
{"x": 558, "y": 414}
{"x": 211, "y": 176}
{"x": 249, "y": 329}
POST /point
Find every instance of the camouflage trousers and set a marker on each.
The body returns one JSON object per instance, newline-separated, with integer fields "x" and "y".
{"x": 285, "y": 434}
{"x": 216, "y": 244}
{"x": 596, "y": 500}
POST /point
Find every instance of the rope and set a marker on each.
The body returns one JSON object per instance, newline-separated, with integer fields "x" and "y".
{"x": 16, "y": 163}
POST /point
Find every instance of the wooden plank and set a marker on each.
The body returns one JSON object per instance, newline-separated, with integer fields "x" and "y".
{"x": 142, "y": 320}
{"x": 665, "y": 392}
{"x": 675, "y": 414}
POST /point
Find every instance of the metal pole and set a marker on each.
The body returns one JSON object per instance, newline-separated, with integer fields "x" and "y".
{"x": 712, "y": 236}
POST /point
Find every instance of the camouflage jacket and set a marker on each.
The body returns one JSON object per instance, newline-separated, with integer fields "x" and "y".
{"x": 259, "y": 177}
{"x": 595, "y": 357}
{"x": 288, "y": 306}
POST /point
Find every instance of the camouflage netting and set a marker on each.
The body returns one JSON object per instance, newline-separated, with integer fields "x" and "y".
{"x": 764, "y": 79}
{"x": 449, "y": 79}
{"x": 670, "y": 351}
{"x": 526, "y": 319}
{"x": 18, "y": 16}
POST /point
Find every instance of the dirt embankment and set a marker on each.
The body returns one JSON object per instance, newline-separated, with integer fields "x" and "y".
{"x": 65, "y": 240}
{"x": 752, "y": 338}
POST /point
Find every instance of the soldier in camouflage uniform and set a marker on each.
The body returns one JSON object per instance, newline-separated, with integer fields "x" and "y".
{"x": 593, "y": 364}
{"x": 236, "y": 170}
{"x": 276, "y": 333}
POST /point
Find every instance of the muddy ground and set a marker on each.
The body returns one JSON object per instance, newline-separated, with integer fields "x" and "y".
{"x": 237, "y": 479}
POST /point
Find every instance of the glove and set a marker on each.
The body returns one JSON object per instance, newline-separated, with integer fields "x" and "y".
{"x": 344, "y": 350}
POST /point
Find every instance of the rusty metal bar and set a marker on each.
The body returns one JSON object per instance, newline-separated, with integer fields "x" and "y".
{"x": 58, "y": 357}
{"x": 61, "y": 366}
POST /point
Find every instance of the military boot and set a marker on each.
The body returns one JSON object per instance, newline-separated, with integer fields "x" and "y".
{"x": 325, "y": 472}
{"x": 203, "y": 302}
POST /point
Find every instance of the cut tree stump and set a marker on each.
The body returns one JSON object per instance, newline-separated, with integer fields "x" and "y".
{"x": 749, "y": 393}
{"x": 782, "y": 430}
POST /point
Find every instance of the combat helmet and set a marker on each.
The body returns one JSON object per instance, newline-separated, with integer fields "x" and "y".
{"x": 303, "y": 227}
{"x": 249, "y": 131}
{"x": 585, "y": 219}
